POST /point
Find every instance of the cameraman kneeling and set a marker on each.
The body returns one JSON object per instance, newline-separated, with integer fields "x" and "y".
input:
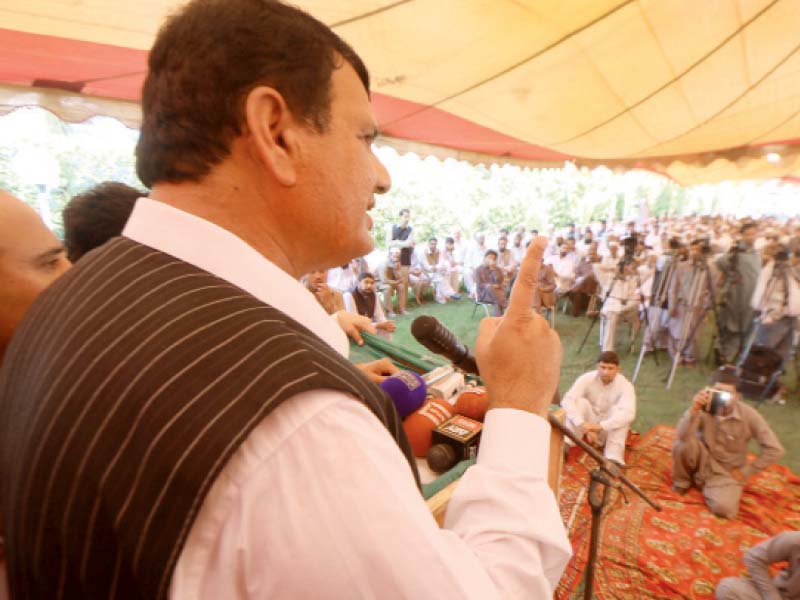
{"x": 710, "y": 449}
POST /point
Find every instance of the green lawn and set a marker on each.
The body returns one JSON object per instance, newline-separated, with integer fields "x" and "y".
{"x": 655, "y": 403}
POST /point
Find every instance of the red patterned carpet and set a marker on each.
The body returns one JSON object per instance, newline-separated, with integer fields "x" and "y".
{"x": 681, "y": 552}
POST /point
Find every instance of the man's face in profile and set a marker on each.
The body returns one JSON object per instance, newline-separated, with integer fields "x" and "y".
{"x": 338, "y": 174}
{"x": 607, "y": 372}
{"x": 31, "y": 258}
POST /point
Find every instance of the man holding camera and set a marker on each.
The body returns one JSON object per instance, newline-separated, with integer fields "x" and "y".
{"x": 710, "y": 449}
{"x": 739, "y": 270}
{"x": 690, "y": 295}
{"x": 776, "y": 302}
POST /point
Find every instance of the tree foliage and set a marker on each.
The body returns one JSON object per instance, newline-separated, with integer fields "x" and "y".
{"x": 46, "y": 162}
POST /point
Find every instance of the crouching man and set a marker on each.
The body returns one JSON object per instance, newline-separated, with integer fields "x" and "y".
{"x": 710, "y": 449}
{"x": 783, "y": 548}
{"x": 601, "y": 405}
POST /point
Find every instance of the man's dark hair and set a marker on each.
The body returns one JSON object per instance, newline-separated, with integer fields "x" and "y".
{"x": 205, "y": 61}
{"x": 488, "y": 252}
{"x": 405, "y": 211}
{"x": 449, "y": 240}
{"x": 608, "y": 357}
{"x": 432, "y": 239}
{"x": 725, "y": 377}
{"x": 97, "y": 215}
{"x": 535, "y": 231}
{"x": 366, "y": 275}
{"x": 746, "y": 226}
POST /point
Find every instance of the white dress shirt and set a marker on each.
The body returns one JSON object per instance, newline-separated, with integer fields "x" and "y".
{"x": 614, "y": 403}
{"x": 319, "y": 502}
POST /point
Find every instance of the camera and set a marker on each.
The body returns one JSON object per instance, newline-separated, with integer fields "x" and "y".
{"x": 720, "y": 399}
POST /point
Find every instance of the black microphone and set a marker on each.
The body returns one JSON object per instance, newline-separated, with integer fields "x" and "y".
{"x": 437, "y": 338}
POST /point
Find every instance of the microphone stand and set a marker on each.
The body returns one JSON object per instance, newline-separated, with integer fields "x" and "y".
{"x": 606, "y": 475}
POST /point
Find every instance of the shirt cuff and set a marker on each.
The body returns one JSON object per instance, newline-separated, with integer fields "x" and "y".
{"x": 515, "y": 440}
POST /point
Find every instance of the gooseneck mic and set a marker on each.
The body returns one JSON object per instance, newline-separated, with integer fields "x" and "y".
{"x": 437, "y": 338}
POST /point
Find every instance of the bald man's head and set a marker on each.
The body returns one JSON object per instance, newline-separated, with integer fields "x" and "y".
{"x": 31, "y": 258}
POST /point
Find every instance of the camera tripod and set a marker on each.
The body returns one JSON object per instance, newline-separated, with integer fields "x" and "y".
{"x": 618, "y": 276}
{"x": 658, "y": 301}
{"x": 690, "y": 326}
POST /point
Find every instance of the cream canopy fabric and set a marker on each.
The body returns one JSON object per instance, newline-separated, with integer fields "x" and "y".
{"x": 700, "y": 91}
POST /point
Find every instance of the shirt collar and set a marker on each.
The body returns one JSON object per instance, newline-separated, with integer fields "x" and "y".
{"x": 736, "y": 413}
{"x": 210, "y": 247}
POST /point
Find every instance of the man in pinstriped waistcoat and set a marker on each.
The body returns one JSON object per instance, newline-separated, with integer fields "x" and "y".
{"x": 177, "y": 414}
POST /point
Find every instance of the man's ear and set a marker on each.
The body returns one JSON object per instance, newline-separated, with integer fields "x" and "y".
{"x": 272, "y": 133}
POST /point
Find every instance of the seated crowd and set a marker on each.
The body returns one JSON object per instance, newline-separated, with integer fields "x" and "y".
{"x": 664, "y": 272}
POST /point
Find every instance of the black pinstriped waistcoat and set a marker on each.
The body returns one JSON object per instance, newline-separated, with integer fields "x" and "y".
{"x": 129, "y": 385}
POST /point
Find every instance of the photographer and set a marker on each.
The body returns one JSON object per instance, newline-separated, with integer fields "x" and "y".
{"x": 710, "y": 449}
{"x": 688, "y": 299}
{"x": 655, "y": 291}
{"x": 783, "y": 548}
{"x": 621, "y": 304}
{"x": 776, "y": 301}
{"x": 739, "y": 270}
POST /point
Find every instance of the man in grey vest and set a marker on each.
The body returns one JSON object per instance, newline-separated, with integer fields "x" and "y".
{"x": 177, "y": 414}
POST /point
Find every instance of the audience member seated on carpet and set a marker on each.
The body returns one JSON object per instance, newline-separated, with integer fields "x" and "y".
{"x": 31, "y": 258}
{"x": 363, "y": 300}
{"x": 97, "y": 215}
{"x": 783, "y": 548}
{"x": 489, "y": 283}
{"x": 601, "y": 406}
{"x": 710, "y": 450}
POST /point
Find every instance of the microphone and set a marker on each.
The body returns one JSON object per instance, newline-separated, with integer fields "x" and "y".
{"x": 454, "y": 440}
{"x": 437, "y": 338}
{"x": 407, "y": 391}
{"x": 419, "y": 425}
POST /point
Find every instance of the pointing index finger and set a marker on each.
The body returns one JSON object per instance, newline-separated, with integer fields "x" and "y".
{"x": 521, "y": 301}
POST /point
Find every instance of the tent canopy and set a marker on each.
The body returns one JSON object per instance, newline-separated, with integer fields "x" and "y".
{"x": 700, "y": 91}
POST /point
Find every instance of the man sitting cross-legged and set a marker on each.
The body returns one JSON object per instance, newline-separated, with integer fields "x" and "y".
{"x": 601, "y": 405}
